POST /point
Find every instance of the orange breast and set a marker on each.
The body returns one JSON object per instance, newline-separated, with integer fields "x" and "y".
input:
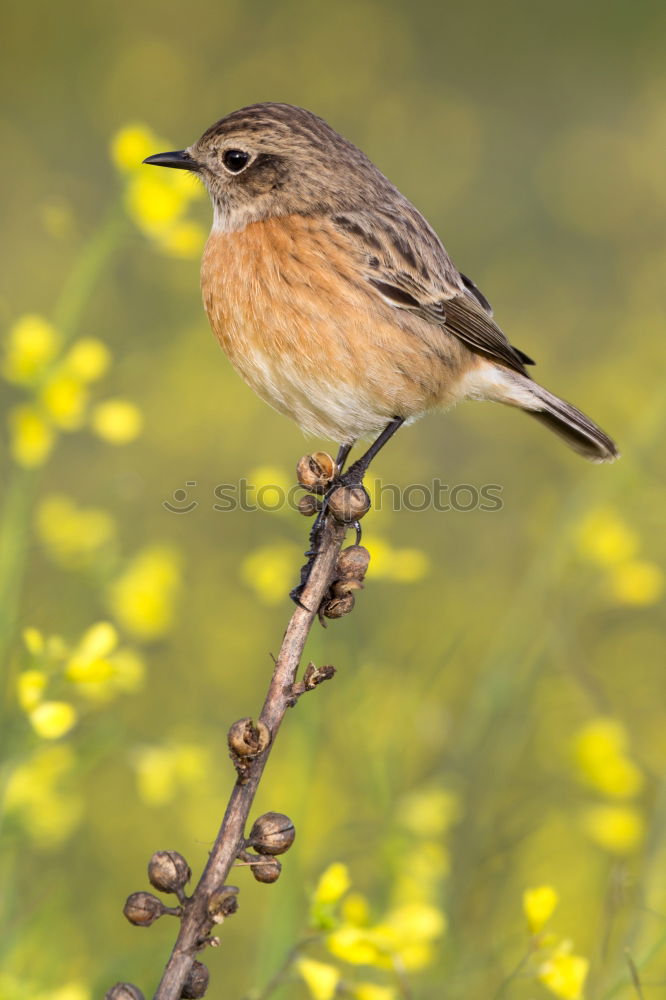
{"x": 289, "y": 303}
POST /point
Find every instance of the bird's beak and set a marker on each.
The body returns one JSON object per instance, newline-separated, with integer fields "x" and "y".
{"x": 180, "y": 159}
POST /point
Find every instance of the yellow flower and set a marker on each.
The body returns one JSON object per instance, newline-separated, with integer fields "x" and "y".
{"x": 52, "y": 719}
{"x": 87, "y": 359}
{"x": 162, "y": 771}
{"x": 34, "y": 641}
{"x": 416, "y": 882}
{"x": 71, "y": 991}
{"x": 321, "y": 979}
{"x": 270, "y": 571}
{"x": 333, "y": 884}
{"x": 117, "y": 421}
{"x": 564, "y": 974}
{"x": 72, "y": 534}
{"x": 156, "y": 199}
{"x": 371, "y": 991}
{"x": 600, "y": 750}
{"x": 130, "y": 146}
{"x": 64, "y": 398}
{"x": 604, "y": 538}
{"x": 618, "y": 829}
{"x": 32, "y": 438}
{"x": 355, "y": 910}
{"x": 415, "y": 926}
{"x": 538, "y": 906}
{"x": 89, "y": 664}
{"x": 429, "y": 812}
{"x": 636, "y": 581}
{"x": 32, "y": 343}
{"x": 356, "y": 945}
{"x": 183, "y": 239}
{"x": 405, "y": 935}
{"x": 398, "y": 565}
{"x": 269, "y": 488}
{"x": 30, "y": 686}
{"x": 143, "y": 598}
{"x": 35, "y": 794}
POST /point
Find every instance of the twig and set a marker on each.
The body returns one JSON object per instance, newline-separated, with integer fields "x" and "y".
{"x": 197, "y": 921}
{"x": 328, "y": 584}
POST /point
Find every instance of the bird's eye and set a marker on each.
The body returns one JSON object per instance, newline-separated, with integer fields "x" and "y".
{"x": 235, "y": 159}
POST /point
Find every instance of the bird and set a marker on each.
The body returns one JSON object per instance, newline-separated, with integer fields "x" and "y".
{"x": 335, "y": 299}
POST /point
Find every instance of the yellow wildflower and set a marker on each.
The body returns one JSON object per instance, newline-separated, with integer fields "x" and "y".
{"x": 184, "y": 239}
{"x": 162, "y": 771}
{"x": 399, "y": 565}
{"x": 142, "y": 599}
{"x": 71, "y": 991}
{"x": 618, "y": 829}
{"x": 637, "y": 582}
{"x": 321, "y": 979}
{"x": 600, "y": 750}
{"x": 64, "y": 398}
{"x": 355, "y": 910}
{"x": 415, "y": 926}
{"x": 34, "y": 641}
{"x": 32, "y": 438}
{"x": 87, "y": 359}
{"x": 564, "y": 974}
{"x": 130, "y": 146}
{"x": 72, "y": 534}
{"x": 35, "y": 794}
{"x": 52, "y": 719}
{"x": 429, "y": 812}
{"x": 269, "y": 487}
{"x": 538, "y": 906}
{"x": 270, "y": 571}
{"x": 30, "y": 685}
{"x": 32, "y": 343}
{"x": 406, "y": 935}
{"x": 156, "y": 199}
{"x": 117, "y": 421}
{"x": 371, "y": 991}
{"x": 604, "y": 538}
{"x": 333, "y": 884}
{"x": 356, "y": 945}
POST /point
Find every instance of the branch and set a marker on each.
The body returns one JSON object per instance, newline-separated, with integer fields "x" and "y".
{"x": 328, "y": 591}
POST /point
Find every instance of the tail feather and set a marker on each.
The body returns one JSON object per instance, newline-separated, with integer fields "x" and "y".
{"x": 579, "y": 432}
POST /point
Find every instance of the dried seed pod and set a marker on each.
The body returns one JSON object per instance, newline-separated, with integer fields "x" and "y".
{"x": 143, "y": 909}
{"x": 272, "y": 833}
{"x": 349, "y": 503}
{"x": 353, "y": 562}
{"x": 308, "y": 505}
{"x": 247, "y": 738}
{"x": 124, "y": 991}
{"x": 222, "y": 902}
{"x": 315, "y": 472}
{"x": 196, "y": 983}
{"x": 338, "y": 607}
{"x": 345, "y": 586}
{"x": 267, "y": 870}
{"x": 168, "y": 871}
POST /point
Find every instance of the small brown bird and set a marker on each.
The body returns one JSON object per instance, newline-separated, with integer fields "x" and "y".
{"x": 334, "y": 298}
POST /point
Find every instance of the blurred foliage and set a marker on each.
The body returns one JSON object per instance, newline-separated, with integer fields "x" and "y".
{"x": 495, "y": 731}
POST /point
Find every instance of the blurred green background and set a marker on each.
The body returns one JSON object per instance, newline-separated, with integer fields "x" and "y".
{"x": 497, "y": 720}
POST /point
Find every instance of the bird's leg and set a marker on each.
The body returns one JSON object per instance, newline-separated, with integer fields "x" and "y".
{"x": 356, "y": 472}
{"x": 353, "y": 477}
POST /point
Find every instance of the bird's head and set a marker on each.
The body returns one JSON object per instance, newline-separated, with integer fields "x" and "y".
{"x": 269, "y": 160}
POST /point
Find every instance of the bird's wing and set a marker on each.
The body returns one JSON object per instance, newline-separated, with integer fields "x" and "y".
{"x": 405, "y": 262}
